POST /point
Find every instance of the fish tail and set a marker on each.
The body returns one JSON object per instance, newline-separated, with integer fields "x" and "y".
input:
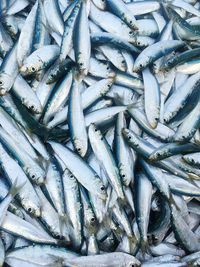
{"x": 15, "y": 188}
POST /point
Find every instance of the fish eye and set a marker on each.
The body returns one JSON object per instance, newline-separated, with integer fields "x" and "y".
{"x": 101, "y": 138}
{"x": 129, "y": 137}
{"x": 33, "y": 69}
{"x": 102, "y": 188}
{"x": 58, "y": 236}
{"x": 92, "y": 219}
{"x": 138, "y": 43}
{"x": 79, "y": 149}
{"x": 131, "y": 21}
{"x": 71, "y": 176}
{"x": 123, "y": 176}
{"x": 141, "y": 66}
{"x": 1, "y": 82}
{"x": 108, "y": 68}
{"x": 29, "y": 210}
{"x": 80, "y": 64}
{"x": 32, "y": 107}
{"x": 33, "y": 176}
{"x": 95, "y": 130}
{"x": 130, "y": 32}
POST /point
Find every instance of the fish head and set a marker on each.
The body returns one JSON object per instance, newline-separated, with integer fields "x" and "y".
{"x": 94, "y": 132}
{"x": 36, "y": 174}
{"x": 141, "y": 63}
{"x": 33, "y": 208}
{"x": 80, "y": 146}
{"x": 30, "y": 67}
{"x": 51, "y": 77}
{"x": 32, "y": 104}
{"x": 5, "y": 83}
{"x": 131, "y": 261}
{"x": 101, "y": 189}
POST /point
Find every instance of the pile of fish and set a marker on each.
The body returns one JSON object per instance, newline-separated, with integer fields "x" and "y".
{"x": 99, "y": 133}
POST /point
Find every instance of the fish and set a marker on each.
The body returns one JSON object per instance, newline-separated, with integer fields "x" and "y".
{"x": 99, "y": 133}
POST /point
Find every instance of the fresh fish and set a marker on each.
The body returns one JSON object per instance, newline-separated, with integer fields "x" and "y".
{"x": 24, "y": 46}
{"x": 118, "y": 8}
{"x": 8, "y": 198}
{"x": 57, "y": 97}
{"x": 110, "y": 260}
{"x": 27, "y": 195}
{"x": 155, "y": 51}
{"x": 69, "y": 25}
{"x": 40, "y": 59}
{"x": 151, "y": 98}
{"x": 143, "y": 7}
{"x": 26, "y": 94}
{"x": 34, "y": 254}
{"x": 30, "y": 166}
{"x": 142, "y": 206}
{"x": 8, "y": 70}
{"x": 17, "y": 226}
{"x": 102, "y": 150}
{"x": 56, "y": 21}
{"x": 99, "y": 133}
{"x": 81, "y": 40}
{"x": 123, "y": 152}
{"x": 74, "y": 208}
{"x": 84, "y": 173}
{"x": 77, "y": 124}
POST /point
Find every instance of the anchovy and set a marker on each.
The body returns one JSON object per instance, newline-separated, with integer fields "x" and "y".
{"x": 99, "y": 133}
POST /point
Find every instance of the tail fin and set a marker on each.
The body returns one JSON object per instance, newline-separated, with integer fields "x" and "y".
{"x": 144, "y": 245}
{"x": 15, "y": 188}
{"x": 135, "y": 246}
{"x": 192, "y": 177}
{"x": 62, "y": 222}
{"x": 6, "y": 201}
{"x": 56, "y": 260}
{"x": 173, "y": 202}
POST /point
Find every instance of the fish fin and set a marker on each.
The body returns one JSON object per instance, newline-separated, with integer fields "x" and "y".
{"x": 65, "y": 220}
{"x": 15, "y": 188}
{"x": 91, "y": 230}
{"x": 193, "y": 176}
{"x": 57, "y": 260}
{"x": 145, "y": 248}
{"x": 62, "y": 222}
{"x": 173, "y": 202}
{"x": 122, "y": 202}
{"x": 132, "y": 105}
